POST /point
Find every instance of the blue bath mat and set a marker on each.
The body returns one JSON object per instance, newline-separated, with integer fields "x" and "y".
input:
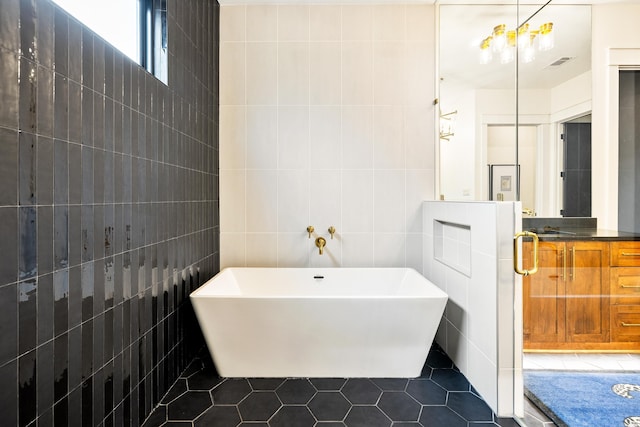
{"x": 586, "y": 399}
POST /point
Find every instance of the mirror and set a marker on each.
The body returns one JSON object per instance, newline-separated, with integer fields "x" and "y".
{"x": 554, "y": 88}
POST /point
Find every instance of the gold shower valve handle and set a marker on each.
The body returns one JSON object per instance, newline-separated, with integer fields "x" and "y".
{"x": 332, "y": 231}
{"x": 310, "y": 230}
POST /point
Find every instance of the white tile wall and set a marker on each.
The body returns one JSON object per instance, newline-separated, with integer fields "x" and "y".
{"x": 479, "y": 330}
{"x": 326, "y": 118}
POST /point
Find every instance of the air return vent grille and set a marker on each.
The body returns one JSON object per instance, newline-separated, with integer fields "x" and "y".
{"x": 560, "y": 61}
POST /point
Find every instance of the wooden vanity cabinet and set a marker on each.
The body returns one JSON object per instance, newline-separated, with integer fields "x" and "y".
{"x": 566, "y": 303}
{"x": 543, "y": 307}
{"x": 625, "y": 291}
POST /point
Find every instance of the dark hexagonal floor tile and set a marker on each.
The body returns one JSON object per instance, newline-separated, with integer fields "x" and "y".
{"x": 179, "y": 387}
{"x": 296, "y": 391}
{"x": 470, "y": 406}
{"x": 329, "y": 406}
{"x": 438, "y": 416}
{"x": 330, "y": 402}
{"x": 219, "y": 415}
{"x": 450, "y": 379}
{"x": 361, "y": 391}
{"x": 399, "y": 406}
{"x": 390, "y": 384}
{"x": 426, "y": 371}
{"x": 196, "y": 365}
{"x": 231, "y": 391}
{"x": 427, "y": 392}
{"x": 189, "y": 406}
{"x": 206, "y": 379}
{"x": 506, "y": 422}
{"x": 259, "y": 406}
{"x": 265, "y": 384}
{"x": 157, "y": 418}
{"x": 292, "y": 416}
{"x": 328, "y": 383}
{"x": 366, "y": 416}
{"x": 438, "y": 359}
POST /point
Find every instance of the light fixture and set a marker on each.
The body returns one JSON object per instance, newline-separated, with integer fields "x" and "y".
{"x": 504, "y": 42}
{"x": 529, "y": 51}
{"x": 447, "y": 122}
{"x": 499, "y": 37}
{"x": 509, "y": 51}
{"x": 546, "y": 36}
{"x": 485, "y": 51}
{"x": 523, "y": 36}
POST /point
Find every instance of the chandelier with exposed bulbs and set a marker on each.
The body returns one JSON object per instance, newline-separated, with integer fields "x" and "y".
{"x": 503, "y": 43}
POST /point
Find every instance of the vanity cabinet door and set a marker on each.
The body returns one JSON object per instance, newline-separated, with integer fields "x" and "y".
{"x": 566, "y": 303}
{"x": 543, "y": 294}
{"x": 587, "y": 292}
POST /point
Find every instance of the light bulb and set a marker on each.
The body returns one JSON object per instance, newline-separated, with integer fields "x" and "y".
{"x": 546, "y": 41}
{"x": 523, "y": 37}
{"x": 485, "y": 51}
{"x": 499, "y": 38}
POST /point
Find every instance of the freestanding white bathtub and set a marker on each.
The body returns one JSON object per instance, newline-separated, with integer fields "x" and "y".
{"x": 307, "y": 322}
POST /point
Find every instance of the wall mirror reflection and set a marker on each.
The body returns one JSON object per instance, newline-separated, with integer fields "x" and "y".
{"x": 480, "y": 57}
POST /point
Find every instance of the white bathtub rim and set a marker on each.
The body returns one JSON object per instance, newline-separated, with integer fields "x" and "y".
{"x": 227, "y": 285}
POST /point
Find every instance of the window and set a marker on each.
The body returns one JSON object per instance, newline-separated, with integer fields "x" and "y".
{"x": 138, "y": 28}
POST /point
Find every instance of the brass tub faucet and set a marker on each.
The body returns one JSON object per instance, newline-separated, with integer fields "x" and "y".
{"x": 320, "y": 243}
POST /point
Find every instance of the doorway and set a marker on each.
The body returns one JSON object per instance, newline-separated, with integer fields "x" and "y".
{"x": 578, "y": 334}
{"x": 576, "y": 171}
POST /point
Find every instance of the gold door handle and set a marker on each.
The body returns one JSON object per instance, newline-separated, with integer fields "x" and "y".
{"x": 563, "y": 276}
{"x": 516, "y": 253}
{"x": 629, "y": 325}
{"x": 630, "y": 286}
{"x": 630, "y": 254}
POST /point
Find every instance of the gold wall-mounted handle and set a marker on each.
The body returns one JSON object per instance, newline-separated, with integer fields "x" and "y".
{"x": 516, "y": 253}
{"x": 310, "y": 230}
{"x": 332, "y": 231}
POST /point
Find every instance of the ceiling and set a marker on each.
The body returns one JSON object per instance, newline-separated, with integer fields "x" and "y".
{"x": 463, "y": 27}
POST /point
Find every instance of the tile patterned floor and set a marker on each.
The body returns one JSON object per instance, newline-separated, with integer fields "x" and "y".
{"x": 441, "y": 397}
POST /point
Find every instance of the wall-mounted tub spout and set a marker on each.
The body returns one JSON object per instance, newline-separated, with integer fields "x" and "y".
{"x": 320, "y": 243}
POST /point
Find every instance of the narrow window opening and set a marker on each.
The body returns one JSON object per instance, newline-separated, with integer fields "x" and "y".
{"x": 138, "y": 28}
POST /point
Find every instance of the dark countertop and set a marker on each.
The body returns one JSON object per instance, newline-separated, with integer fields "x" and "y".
{"x": 567, "y": 234}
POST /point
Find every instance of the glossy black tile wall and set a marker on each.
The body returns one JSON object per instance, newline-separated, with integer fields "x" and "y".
{"x": 108, "y": 214}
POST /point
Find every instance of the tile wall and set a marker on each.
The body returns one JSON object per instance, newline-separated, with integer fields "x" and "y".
{"x": 108, "y": 214}
{"x": 471, "y": 259}
{"x": 326, "y": 119}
